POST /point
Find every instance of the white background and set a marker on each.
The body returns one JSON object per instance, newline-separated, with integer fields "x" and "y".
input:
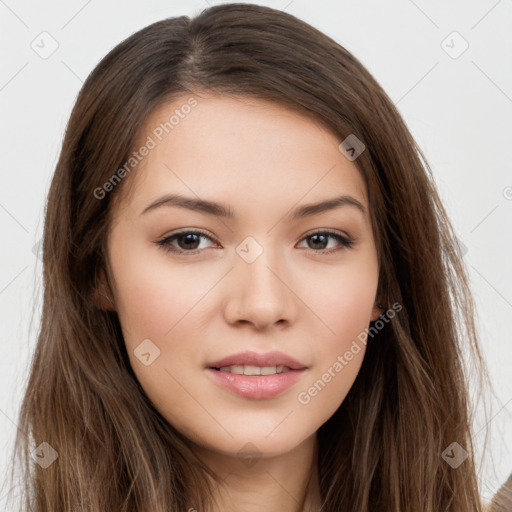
{"x": 458, "y": 109}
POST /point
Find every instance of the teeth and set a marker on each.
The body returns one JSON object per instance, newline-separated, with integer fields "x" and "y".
{"x": 252, "y": 370}
{"x": 255, "y": 370}
{"x": 267, "y": 370}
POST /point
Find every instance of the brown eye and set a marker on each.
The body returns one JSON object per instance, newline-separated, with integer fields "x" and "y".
{"x": 185, "y": 242}
{"x": 319, "y": 241}
{"x": 188, "y": 241}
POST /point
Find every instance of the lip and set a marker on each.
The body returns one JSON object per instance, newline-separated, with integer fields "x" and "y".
{"x": 253, "y": 358}
{"x": 257, "y": 386}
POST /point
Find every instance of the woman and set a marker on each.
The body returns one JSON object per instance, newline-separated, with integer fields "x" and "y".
{"x": 306, "y": 354}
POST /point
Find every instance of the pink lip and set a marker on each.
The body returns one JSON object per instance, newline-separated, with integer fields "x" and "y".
{"x": 255, "y": 359}
{"x": 257, "y": 386}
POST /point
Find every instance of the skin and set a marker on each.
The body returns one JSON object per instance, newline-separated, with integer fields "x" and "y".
{"x": 262, "y": 160}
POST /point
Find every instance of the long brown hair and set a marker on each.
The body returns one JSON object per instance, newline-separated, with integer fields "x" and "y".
{"x": 383, "y": 448}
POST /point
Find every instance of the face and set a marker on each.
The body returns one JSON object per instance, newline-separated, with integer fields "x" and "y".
{"x": 257, "y": 276}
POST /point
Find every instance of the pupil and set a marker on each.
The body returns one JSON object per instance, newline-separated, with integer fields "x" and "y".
{"x": 322, "y": 243}
{"x": 189, "y": 240}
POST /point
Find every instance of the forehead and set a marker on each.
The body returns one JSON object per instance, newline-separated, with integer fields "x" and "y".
{"x": 238, "y": 148}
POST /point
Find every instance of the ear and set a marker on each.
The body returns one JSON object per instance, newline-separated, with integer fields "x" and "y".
{"x": 103, "y": 297}
{"x": 376, "y": 311}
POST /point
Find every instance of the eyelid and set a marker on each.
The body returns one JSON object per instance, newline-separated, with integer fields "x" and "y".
{"x": 328, "y": 231}
{"x": 194, "y": 231}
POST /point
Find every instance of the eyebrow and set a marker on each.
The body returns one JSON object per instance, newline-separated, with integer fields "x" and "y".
{"x": 219, "y": 210}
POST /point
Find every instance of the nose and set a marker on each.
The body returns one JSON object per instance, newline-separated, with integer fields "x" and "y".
{"x": 261, "y": 294}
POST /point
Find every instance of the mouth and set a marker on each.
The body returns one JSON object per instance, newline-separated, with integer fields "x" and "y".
{"x": 253, "y": 363}
{"x": 253, "y": 370}
{"x": 256, "y": 376}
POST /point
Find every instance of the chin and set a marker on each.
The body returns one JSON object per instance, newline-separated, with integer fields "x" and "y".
{"x": 254, "y": 442}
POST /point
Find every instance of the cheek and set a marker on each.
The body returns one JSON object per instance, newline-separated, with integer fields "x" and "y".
{"x": 154, "y": 296}
{"x": 157, "y": 303}
{"x": 339, "y": 353}
{"x": 342, "y": 300}
{"x": 163, "y": 303}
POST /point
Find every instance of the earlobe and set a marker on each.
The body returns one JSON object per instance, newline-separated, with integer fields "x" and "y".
{"x": 377, "y": 311}
{"x": 102, "y": 294}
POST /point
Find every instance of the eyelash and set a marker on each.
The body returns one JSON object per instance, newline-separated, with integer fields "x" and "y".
{"x": 164, "y": 243}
